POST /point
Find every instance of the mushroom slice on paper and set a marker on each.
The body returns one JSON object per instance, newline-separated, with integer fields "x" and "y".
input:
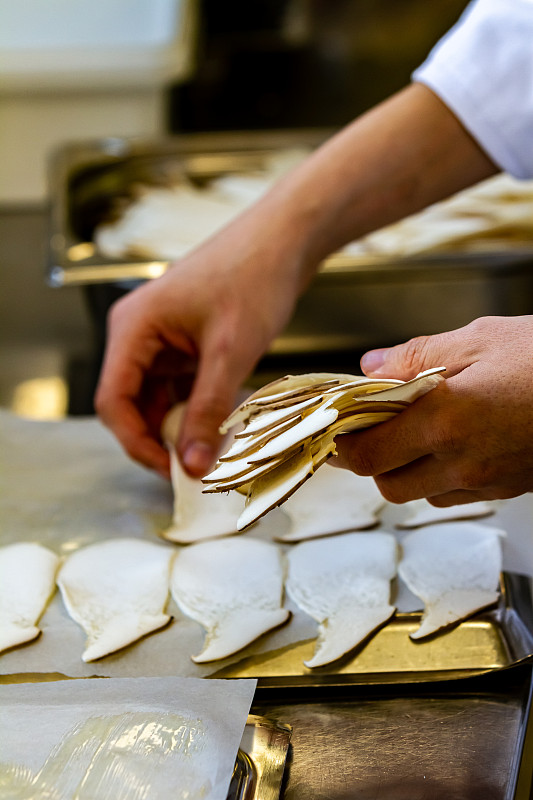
{"x": 196, "y": 515}
{"x": 420, "y": 513}
{"x": 454, "y": 568}
{"x": 233, "y": 588}
{"x": 343, "y": 582}
{"x": 27, "y": 581}
{"x": 199, "y": 515}
{"x": 332, "y": 501}
{"x": 116, "y": 591}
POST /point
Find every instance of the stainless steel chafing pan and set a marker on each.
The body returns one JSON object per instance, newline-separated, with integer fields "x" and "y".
{"x": 356, "y": 301}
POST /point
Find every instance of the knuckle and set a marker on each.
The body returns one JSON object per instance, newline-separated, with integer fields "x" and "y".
{"x": 414, "y": 353}
{"x": 474, "y": 476}
{"x": 443, "y": 438}
{"x": 206, "y": 414}
{"x": 358, "y": 460}
{"x": 390, "y": 489}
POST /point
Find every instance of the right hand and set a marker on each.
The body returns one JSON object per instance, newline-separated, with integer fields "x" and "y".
{"x": 204, "y": 325}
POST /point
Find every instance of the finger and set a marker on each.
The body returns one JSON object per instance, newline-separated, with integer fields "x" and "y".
{"x": 212, "y": 399}
{"x": 460, "y": 497}
{"x": 119, "y": 388}
{"x": 423, "y": 352}
{"x": 122, "y": 416}
{"x": 426, "y": 477}
{"x": 129, "y": 427}
{"x": 407, "y": 437}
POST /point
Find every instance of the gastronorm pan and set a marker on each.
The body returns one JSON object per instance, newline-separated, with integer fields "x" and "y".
{"x": 356, "y": 301}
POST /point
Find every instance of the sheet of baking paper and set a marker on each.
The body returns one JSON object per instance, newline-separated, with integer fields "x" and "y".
{"x": 134, "y": 738}
{"x": 68, "y": 483}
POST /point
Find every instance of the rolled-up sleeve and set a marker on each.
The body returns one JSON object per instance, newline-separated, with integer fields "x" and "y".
{"x": 483, "y": 70}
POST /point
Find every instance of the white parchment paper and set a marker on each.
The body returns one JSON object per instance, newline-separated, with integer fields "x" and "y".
{"x": 135, "y": 738}
{"x": 66, "y": 484}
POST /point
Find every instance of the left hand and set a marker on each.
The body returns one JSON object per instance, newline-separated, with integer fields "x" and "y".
{"x": 469, "y": 439}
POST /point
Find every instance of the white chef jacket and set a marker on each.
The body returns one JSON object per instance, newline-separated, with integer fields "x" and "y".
{"x": 483, "y": 70}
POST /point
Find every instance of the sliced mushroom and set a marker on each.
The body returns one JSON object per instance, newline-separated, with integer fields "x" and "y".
{"x": 316, "y": 421}
{"x": 251, "y": 444}
{"x": 197, "y": 515}
{"x": 332, "y": 501}
{"x": 272, "y": 489}
{"x": 116, "y": 591}
{"x": 27, "y": 581}
{"x": 233, "y": 588}
{"x": 296, "y": 417}
{"x": 420, "y": 513}
{"x": 454, "y": 569}
{"x": 343, "y": 582}
{"x": 268, "y": 420}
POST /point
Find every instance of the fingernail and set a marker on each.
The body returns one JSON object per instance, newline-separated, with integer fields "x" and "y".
{"x": 374, "y": 360}
{"x": 198, "y": 458}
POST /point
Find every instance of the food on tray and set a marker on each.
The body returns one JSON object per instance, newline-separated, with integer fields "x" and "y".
{"x": 420, "y": 513}
{"x": 332, "y": 501}
{"x": 196, "y": 515}
{"x": 167, "y": 222}
{"x": 116, "y": 591}
{"x": 27, "y": 581}
{"x": 294, "y": 422}
{"x": 343, "y": 582}
{"x": 454, "y": 568}
{"x": 233, "y": 588}
{"x": 493, "y": 212}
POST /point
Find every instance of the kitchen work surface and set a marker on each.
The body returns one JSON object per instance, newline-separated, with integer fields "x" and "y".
{"x": 385, "y": 719}
{"x": 470, "y": 741}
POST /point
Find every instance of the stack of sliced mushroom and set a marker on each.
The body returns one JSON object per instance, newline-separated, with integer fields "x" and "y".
{"x": 289, "y": 430}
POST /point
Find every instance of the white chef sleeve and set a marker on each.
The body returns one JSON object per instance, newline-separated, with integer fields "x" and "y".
{"x": 483, "y": 70}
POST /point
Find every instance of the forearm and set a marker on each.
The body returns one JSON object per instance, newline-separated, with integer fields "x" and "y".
{"x": 400, "y": 157}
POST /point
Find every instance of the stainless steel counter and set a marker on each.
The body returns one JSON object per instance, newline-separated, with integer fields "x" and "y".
{"x": 467, "y": 742}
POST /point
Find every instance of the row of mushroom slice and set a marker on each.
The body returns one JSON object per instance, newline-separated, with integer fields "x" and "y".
{"x": 289, "y": 429}
{"x": 117, "y": 590}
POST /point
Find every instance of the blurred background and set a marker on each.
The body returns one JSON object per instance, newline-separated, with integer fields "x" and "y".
{"x": 78, "y": 70}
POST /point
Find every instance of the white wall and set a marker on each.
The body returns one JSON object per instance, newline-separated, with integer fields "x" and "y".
{"x": 79, "y": 69}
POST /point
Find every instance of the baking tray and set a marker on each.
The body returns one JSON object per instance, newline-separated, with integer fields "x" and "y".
{"x": 87, "y": 178}
{"x": 260, "y": 762}
{"x": 466, "y": 740}
{"x": 395, "y": 298}
{"x": 492, "y": 640}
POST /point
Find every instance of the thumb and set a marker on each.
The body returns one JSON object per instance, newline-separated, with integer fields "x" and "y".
{"x": 423, "y": 352}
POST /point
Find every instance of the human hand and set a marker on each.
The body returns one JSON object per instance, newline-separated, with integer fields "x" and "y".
{"x": 200, "y": 329}
{"x": 469, "y": 439}
{"x": 209, "y": 319}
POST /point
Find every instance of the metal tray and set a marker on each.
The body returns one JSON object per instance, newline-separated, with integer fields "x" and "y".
{"x": 395, "y": 299}
{"x": 260, "y": 762}
{"x": 87, "y": 178}
{"x": 493, "y": 640}
{"x": 466, "y": 740}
